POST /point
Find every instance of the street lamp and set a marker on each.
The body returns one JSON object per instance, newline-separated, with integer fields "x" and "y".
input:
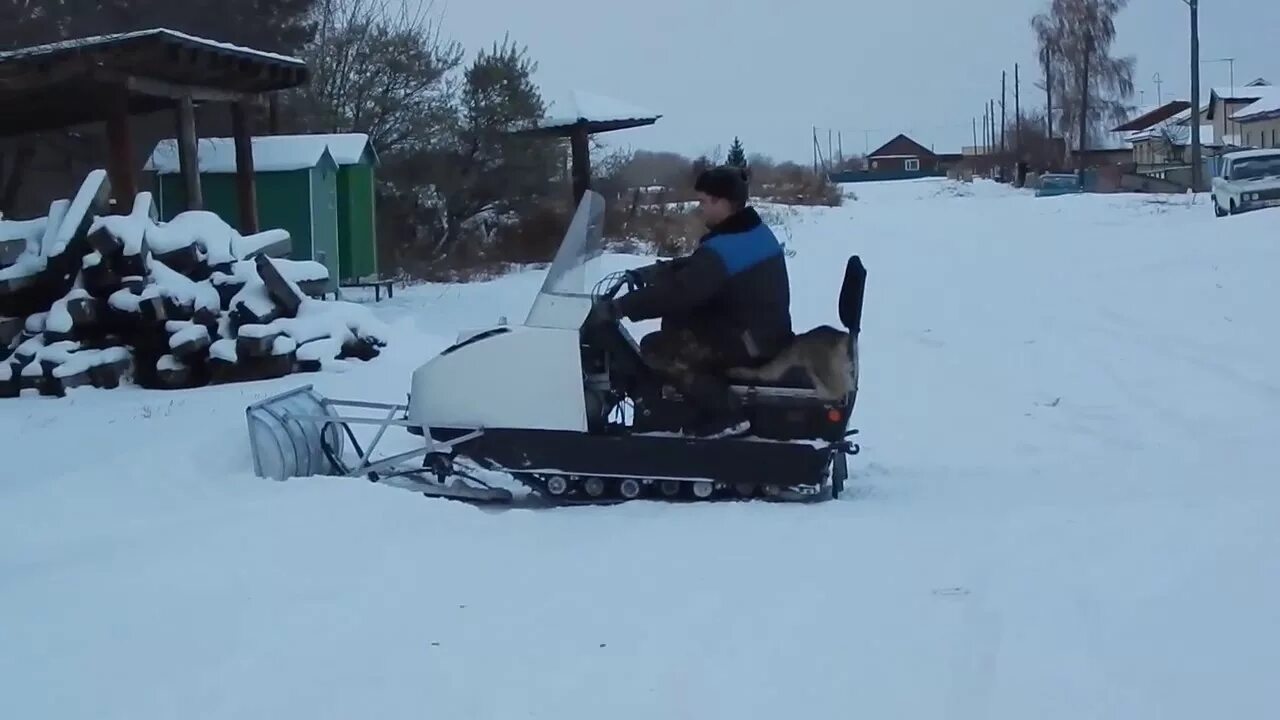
{"x": 1231, "y": 64}
{"x": 1194, "y": 5}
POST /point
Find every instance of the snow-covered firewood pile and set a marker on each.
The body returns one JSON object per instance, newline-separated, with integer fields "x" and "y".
{"x": 95, "y": 299}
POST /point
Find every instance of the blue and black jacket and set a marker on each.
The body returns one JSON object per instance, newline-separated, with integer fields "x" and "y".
{"x": 732, "y": 292}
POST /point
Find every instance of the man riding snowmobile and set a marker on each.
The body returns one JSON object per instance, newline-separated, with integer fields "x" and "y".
{"x": 726, "y": 305}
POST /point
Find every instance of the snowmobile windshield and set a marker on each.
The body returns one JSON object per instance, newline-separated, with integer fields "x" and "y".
{"x": 566, "y": 283}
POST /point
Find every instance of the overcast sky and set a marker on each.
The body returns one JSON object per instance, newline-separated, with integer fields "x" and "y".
{"x": 770, "y": 70}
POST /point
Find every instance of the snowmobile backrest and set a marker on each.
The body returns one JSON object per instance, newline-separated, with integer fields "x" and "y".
{"x": 855, "y": 283}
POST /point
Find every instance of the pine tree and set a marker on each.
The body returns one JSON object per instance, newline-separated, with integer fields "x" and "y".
{"x": 737, "y": 155}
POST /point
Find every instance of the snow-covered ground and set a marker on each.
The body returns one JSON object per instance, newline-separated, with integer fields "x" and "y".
{"x": 1065, "y": 507}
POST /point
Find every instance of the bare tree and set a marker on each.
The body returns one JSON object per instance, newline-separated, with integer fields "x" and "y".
{"x": 380, "y": 68}
{"x": 1041, "y": 152}
{"x": 1090, "y": 85}
{"x": 478, "y": 168}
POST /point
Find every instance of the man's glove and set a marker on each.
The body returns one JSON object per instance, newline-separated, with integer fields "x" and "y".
{"x": 602, "y": 313}
{"x": 647, "y": 275}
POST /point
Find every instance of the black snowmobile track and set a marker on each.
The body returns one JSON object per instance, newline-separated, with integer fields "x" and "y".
{"x": 673, "y": 491}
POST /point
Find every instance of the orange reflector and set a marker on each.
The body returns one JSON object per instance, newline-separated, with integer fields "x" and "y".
{"x": 833, "y": 415}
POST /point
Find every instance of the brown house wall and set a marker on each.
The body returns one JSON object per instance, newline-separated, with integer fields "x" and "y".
{"x": 900, "y": 163}
{"x": 893, "y": 156}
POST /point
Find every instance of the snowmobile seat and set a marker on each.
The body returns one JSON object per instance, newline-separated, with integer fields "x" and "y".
{"x": 797, "y": 380}
{"x": 794, "y": 379}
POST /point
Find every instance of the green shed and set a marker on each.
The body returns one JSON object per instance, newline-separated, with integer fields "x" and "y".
{"x": 320, "y": 188}
{"x": 357, "y": 217}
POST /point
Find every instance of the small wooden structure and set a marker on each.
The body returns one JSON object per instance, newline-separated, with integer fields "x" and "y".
{"x": 357, "y": 205}
{"x": 111, "y": 77}
{"x": 318, "y": 187}
{"x": 584, "y": 115}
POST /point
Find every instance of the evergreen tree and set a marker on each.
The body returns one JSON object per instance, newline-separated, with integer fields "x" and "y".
{"x": 737, "y": 155}
{"x": 480, "y": 165}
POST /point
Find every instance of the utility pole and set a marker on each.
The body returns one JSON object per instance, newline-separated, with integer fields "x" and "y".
{"x": 815, "y": 149}
{"x": 1017, "y": 111}
{"x": 1003, "y": 117}
{"x": 1048, "y": 93}
{"x": 995, "y": 136}
{"x": 985, "y": 132}
{"x": 1159, "y": 95}
{"x": 975, "y": 136}
{"x": 1195, "y": 94}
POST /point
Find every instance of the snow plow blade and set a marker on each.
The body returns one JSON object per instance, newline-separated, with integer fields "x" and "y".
{"x": 287, "y": 440}
{"x": 300, "y": 433}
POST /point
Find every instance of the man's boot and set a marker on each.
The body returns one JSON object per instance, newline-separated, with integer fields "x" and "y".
{"x": 720, "y": 412}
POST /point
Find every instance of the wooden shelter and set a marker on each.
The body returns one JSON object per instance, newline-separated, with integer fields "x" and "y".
{"x": 109, "y": 78}
{"x": 582, "y": 116}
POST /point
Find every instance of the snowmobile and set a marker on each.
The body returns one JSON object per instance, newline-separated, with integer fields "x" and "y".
{"x": 570, "y": 410}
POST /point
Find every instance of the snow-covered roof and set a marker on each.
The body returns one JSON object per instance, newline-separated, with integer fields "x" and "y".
{"x": 584, "y": 107}
{"x": 86, "y": 42}
{"x": 271, "y": 153}
{"x": 1268, "y": 103}
{"x": 1179, "y": 134}
{"x": 1144, "y": 118}
{"x": 1184, "y": 117}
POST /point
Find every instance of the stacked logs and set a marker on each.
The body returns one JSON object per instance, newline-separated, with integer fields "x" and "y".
{"x": 97, "y": 299}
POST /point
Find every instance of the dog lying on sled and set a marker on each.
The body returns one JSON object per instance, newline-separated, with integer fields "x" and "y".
{"x": 823, "y": 353}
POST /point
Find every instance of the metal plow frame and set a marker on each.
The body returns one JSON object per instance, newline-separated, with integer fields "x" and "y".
{"x": 301, "y": 433}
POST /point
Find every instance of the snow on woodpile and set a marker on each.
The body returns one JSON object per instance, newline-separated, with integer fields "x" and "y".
{"x": 95, "y": 299}
{"x": 16, "y": 235}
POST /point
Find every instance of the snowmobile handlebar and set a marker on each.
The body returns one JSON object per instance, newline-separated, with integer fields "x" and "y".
{"x": 609, "y": 285}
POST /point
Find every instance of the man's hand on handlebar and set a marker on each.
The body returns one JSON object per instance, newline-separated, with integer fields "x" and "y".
{"x": 602, "y": 313}
{"x": 645, "y": 276}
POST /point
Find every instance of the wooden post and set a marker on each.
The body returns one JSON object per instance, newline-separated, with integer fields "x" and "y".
{"x": 273, "y": 114}
{"x": 246, "y": 192}
{"x": 187, "y": 157}
{"x": 124, "y": 184}
{"x": 581, "y": 162}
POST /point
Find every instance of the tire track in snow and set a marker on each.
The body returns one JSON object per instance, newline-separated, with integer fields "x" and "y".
{"x": 977, "y": 647}
{"x": 1178, "y": 348}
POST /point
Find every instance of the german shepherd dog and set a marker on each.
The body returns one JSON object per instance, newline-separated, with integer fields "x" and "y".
{"x": 823, "y": 353}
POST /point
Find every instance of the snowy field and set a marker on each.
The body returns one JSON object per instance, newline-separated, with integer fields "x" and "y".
{"x": 1066, "y": 507}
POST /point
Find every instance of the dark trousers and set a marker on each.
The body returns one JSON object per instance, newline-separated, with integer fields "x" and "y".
{"x": 695, "y": 368}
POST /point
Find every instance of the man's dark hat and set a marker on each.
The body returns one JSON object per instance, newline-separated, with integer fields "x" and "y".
{"x": 726, "y": 181}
